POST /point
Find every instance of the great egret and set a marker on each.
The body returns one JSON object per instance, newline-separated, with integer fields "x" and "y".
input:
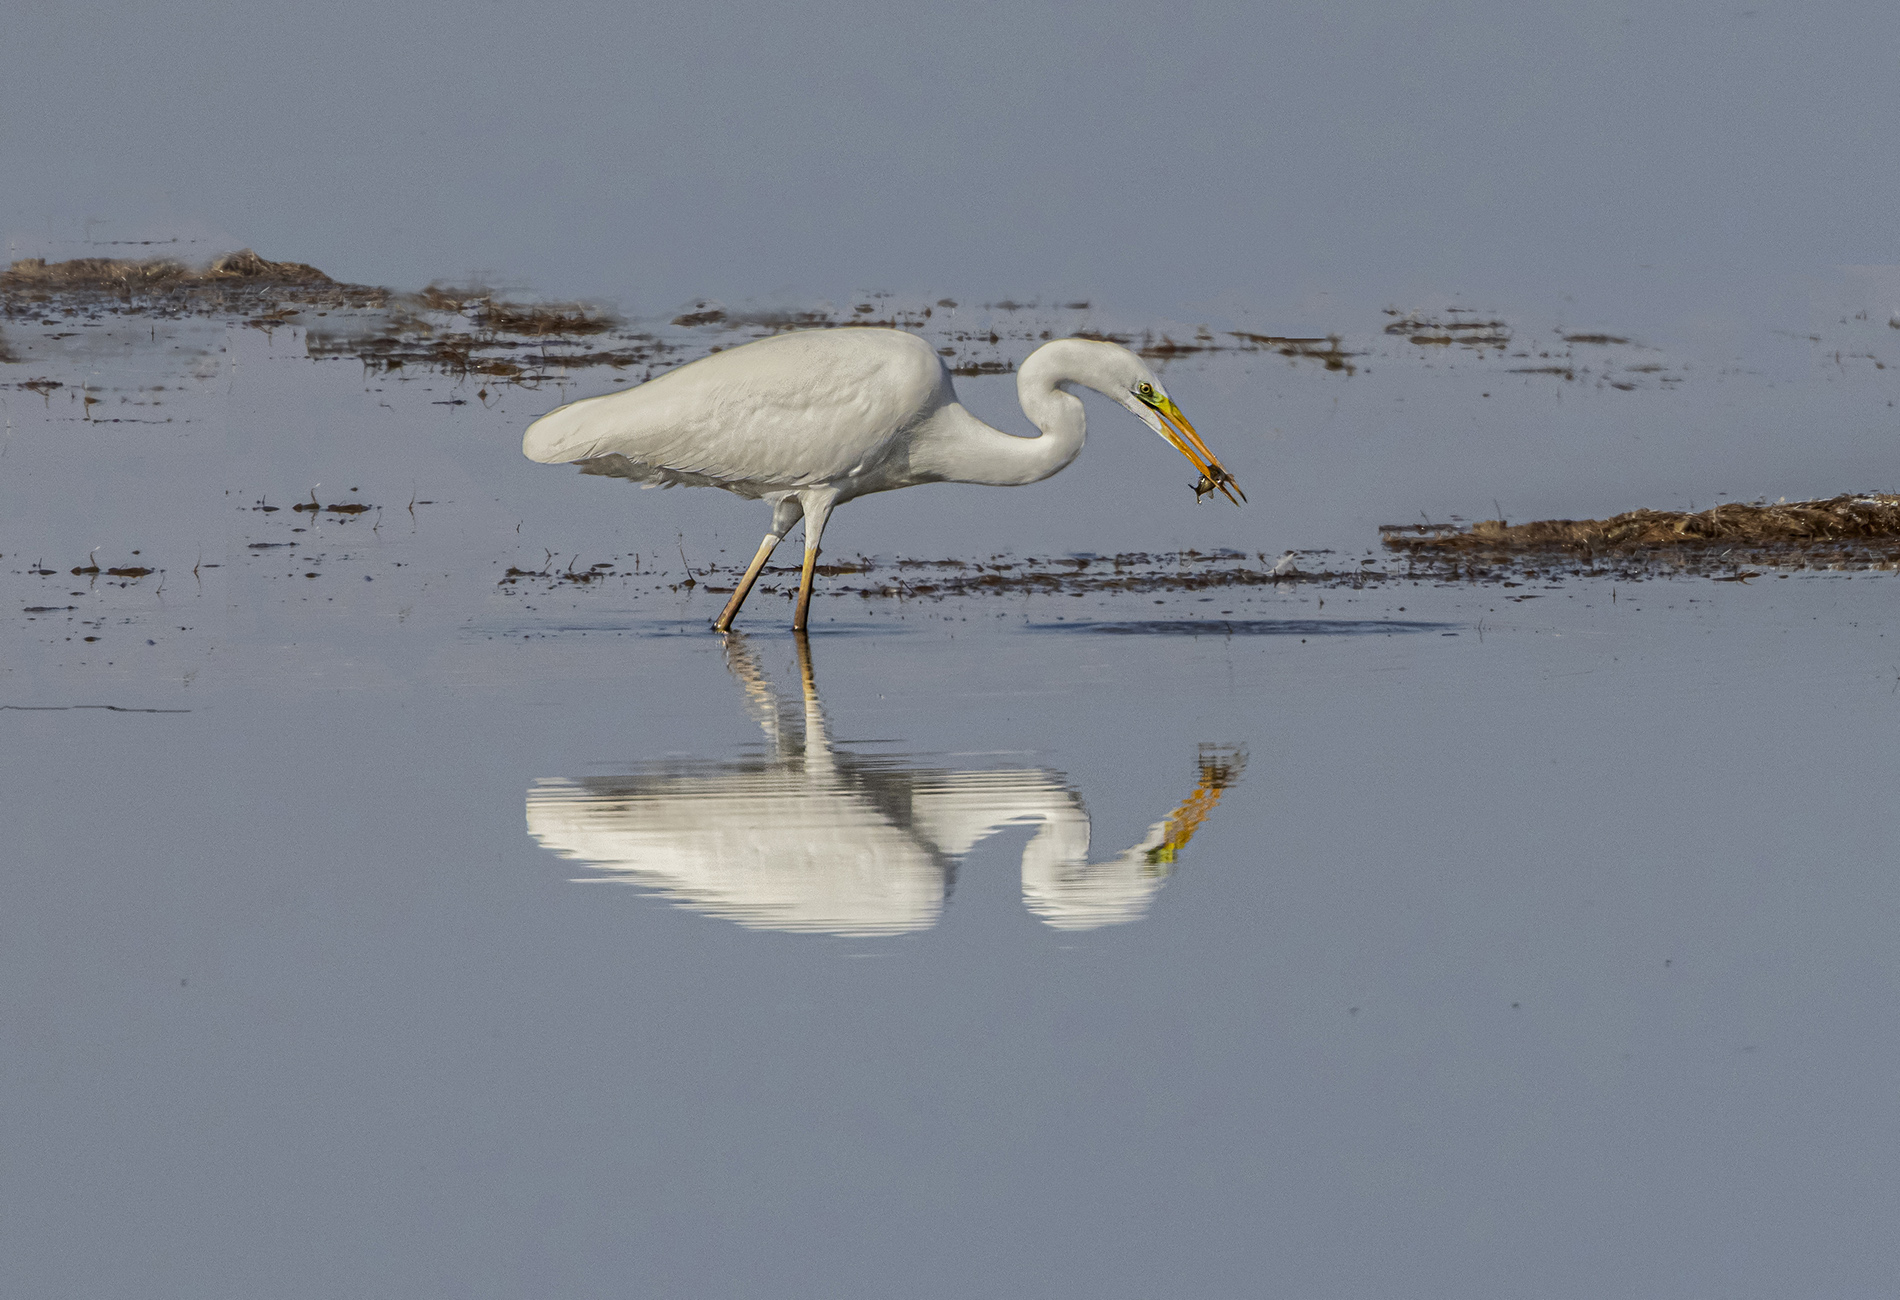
{"x": 811, "y": 419}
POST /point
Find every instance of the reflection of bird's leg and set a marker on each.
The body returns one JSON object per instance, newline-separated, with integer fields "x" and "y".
{"x": 763, "y": 701}
{"x": 817, "y": 510}
{"x": 817, "y": 738}
{"x": 784, "y": 514}
{"x": 807, "y": 678}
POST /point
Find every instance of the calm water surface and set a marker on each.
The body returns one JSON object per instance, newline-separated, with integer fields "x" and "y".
{"x": 439, "y": 937}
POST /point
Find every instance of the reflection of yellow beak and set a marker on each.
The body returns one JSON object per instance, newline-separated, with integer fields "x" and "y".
{"x": 1176, "y": 429}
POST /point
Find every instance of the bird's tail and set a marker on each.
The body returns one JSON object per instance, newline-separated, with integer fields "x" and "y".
{"x": 560, "y": 436}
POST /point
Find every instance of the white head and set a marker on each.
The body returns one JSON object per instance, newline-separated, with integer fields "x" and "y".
{"x": 1124, "y": 378}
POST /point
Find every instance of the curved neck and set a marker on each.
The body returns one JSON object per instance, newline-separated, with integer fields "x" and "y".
{"x": 962, "y": 449}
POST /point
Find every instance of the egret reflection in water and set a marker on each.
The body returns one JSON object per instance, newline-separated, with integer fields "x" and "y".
{"x": 809, "y": 838}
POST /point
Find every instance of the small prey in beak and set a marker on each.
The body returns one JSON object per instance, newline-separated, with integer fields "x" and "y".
{"x": 1158, "y": 411}
{"x": 1216, "y": 478}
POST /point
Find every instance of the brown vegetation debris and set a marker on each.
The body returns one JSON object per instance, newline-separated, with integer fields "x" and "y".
{"x": 1324, "y": 350}
{"x": 475, "y": 331}
{"x": 313, "y": 507}
{"x": 778, "y": 320}
{"x": 1430, "y": 330}
{"x": 1852, "y": 531}
{"x": 702, "y": 314}
{"x": 404, "y": 340}
{"x": 1137, "y": 573}
{"x": 240, "y": 282}
{"x": 526, "y": 320}
{"x": 1168, "y": 350}
{"x": 118, "y": 274}
{"x": 1757, "y": 524}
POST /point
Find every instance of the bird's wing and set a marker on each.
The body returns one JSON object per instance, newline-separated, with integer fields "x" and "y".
{"x": 797, "y": 409}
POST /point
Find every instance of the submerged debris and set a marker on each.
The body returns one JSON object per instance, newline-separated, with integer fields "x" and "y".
{"x": 1442, "y": 331}
{"x": 527, "y": 320}
{"x": 314, "y": 506}
{"x": 475, "y": 331}
{"x": 1137, "y": 573}
{"x": 1327, "y": 351}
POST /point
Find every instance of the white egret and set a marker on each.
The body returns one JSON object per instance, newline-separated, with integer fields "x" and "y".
{"x": 811, "y": 419}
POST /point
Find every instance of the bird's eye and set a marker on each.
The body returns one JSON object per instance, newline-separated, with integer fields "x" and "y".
{"x": 1147, "y": 390}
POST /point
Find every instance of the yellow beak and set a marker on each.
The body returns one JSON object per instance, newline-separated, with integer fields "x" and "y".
{"x": 1176, "y": 429}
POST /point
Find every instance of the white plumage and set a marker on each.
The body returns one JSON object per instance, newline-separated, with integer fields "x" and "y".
{"x": 811, "y": 419}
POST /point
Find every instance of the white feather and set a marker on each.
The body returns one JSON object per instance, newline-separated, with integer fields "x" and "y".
{"x": 811, "y": 419}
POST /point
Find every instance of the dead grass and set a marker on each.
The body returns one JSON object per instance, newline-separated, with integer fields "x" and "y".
{"x": 117, "y": 275}
{"x": 1851, "y": 531}
{"x": 520, "y": 319}
{"x": 240, "y": 282}
{"x": 475, "y": 331}
{"x": 1792, "y": 523}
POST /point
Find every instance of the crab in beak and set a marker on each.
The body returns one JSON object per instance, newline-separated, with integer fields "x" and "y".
{"x": 1158, "y": 411}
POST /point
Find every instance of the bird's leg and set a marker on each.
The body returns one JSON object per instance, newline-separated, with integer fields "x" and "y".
{"x": 816, "y": 513}
{"x": 804, "y": 590}
{"x": 784, "y": 514}
{"x": 744, "y": 589}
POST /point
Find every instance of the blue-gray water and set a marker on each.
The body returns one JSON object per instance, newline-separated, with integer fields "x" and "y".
{"x": 445, "y": 937}
{"x": 1554, "y": 960}
{"x": 398, "y": 931}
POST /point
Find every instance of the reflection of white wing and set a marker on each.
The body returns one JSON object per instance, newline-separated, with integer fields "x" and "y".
{"x": 823, "y": 841}
{"x": 764, "y": 849}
